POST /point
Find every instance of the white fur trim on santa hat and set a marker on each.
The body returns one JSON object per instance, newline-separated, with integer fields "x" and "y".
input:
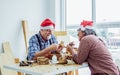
{"x": 82, "y": 28}
{"x": 47, "y": 27}
{"x": 88, "y": 27}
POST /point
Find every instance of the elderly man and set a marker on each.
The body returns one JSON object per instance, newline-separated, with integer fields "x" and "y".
{"x": 42, "y": 43}
{"x": 94, "y": 51}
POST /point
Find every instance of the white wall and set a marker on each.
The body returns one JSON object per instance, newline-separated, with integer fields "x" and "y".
{"x": 11, "y": 14}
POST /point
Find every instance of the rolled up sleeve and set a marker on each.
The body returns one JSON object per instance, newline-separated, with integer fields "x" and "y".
{"x": 83, "y": 52}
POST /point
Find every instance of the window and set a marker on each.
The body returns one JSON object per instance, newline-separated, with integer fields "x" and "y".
{"x": 107, "y": 10}
{"x": 106, "y": 16}
{"x": 108, "y": 22}
{"x": 77, "y": 10}
{"x": 111, "y": 36}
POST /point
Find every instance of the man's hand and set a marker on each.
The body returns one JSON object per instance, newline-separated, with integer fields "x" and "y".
{"x": 72, "y": 44}
{"x": 53, "y": 47}
{"x": 59, "y": 48}
{"x": 69, "y": 48}
{"x": 45, "y": 51}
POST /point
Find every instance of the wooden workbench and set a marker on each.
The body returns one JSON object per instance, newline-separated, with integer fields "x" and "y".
{"x": 45, "y": 69}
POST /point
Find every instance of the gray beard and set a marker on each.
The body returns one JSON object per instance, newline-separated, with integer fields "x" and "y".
{"x": 49, "y": 37}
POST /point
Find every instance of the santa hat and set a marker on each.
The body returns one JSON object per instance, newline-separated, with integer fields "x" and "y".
{"x": 47, "y": 24}
{"x": 86, "y": 24}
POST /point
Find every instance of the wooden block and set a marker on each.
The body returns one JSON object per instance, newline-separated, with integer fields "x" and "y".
{"x": 17, "y": 60}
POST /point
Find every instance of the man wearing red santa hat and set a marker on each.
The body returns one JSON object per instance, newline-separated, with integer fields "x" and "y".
{"x": 43, "y": 42}
{"x": 94, "y": 51}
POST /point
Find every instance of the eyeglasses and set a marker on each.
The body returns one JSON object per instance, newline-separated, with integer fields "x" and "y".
{"x": 48, "y": 30}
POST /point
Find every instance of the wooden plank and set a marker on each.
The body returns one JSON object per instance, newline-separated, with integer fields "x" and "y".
{"x": 60, "y": 33}
{"x": 25, "y": 32}
{"x": 61, "y": 36}
{"x": 76, "y": 72}
{"x": 70, "y": 73}
{"x": 7, "y": 48}
{"x": 6, "y": 59}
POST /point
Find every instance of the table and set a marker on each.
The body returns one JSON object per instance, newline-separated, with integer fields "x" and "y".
{"x": 45, "y": 69}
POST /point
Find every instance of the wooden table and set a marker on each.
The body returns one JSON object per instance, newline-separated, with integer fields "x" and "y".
{"x": 45, "y": 69}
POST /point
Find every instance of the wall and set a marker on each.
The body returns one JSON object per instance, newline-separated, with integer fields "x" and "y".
{"x": 12, "y": 12}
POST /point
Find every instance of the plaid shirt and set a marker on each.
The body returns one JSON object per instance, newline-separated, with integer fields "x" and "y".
{"x": 34, "y": 45}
